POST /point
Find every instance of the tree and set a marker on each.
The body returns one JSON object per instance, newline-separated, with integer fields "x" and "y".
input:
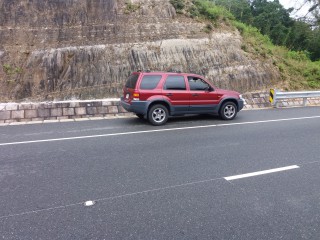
{"x": 314, "y": 47}
{"x": 300, "y": 36}
{"x": 272, "y": 19}
{"x": 239, "y": 8}
{"x": 314, "y": 10}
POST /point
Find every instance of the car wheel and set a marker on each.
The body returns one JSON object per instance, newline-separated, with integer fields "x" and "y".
{"x": 228, "y": 111}
{"x": 158, "y": 115}
{"x": 141, "y": 116}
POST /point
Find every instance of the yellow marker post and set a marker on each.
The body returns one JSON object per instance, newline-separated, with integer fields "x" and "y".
{"x": 271, "y": 98}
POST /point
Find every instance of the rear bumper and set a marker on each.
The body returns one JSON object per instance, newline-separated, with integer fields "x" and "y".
{"x": 139, "y": 107}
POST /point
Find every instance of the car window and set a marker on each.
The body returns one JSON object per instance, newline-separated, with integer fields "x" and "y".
{"x": 197, "y": 84}
{"x": 175, "y": 83}
{"x": 150, "y": 82}
{"x": 132, "y": 81}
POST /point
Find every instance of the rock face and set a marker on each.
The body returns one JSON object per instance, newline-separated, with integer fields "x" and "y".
{"x": 58, "y": 49}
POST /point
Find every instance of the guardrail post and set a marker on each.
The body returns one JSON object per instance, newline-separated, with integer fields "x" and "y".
{"x": 304, "y": 102}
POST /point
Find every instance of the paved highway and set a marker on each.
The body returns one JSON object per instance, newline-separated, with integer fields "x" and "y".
{"x": 184, "y": 180}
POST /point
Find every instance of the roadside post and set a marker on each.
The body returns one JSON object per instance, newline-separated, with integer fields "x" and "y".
{"x": 272, "y": 97}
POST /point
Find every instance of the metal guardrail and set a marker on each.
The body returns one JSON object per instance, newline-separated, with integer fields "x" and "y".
{"x": 276, "y": 95}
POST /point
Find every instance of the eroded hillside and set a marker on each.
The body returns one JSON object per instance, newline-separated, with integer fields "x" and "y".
{"x": 87, "y": 48}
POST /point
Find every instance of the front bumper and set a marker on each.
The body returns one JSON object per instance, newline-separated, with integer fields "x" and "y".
{"x": 241, "y": 102}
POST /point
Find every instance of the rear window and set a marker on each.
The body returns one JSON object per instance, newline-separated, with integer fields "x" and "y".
{"x": 150, "y": 82}
{"x": 132, "y": 81}
{"x": 175, "y": 83}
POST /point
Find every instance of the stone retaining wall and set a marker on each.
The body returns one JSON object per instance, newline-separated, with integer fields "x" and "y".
{"x": 256, "y": 100}
{"x": 26, "y": 112}
{"x": 47, "y": 111}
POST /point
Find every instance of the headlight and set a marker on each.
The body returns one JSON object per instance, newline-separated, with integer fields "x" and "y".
{"x": 240, "y": 96}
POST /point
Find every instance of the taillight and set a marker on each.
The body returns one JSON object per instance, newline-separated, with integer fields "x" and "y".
{"x": 136, "y": 96}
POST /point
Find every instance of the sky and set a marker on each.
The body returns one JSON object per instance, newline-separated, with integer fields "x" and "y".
{"x": 296, "y": 4}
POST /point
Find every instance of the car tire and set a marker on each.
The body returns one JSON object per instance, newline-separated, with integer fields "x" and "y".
{"x": 158, "y": 115}
{"x": 228, "y": 111}
{"x": 141, "y": 116}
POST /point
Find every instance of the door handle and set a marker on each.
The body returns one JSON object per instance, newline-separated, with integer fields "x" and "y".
{"x": 169, "y": 94}
{"x": 195, "y": 94}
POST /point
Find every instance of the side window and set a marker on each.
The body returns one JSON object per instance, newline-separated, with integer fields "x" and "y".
{"x": 150, "y": 82}
{"x": 132, "y": 80}
{"x": 197, "y": 84}
{"x": 175, "y": 83}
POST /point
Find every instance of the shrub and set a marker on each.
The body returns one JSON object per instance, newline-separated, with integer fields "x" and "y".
{"x": 193, "y": 11}
{"x": 178, "y": 5}
{"x": 211, "y": 11}
{"x": 299, "y": 56}
{"x": 130, "y": 7}
{"x": 9, "y": 70}
{"x": 208, "y": 28}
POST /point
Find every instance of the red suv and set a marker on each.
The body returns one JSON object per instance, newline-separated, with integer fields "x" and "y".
{"x": 158, "y": 95}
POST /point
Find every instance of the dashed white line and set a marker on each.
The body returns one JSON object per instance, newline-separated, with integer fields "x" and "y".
{"x": 93, "y": 202}
{"x": 261, "y": 172}
{"x": 89, "y": 203}
{"x": 157, "y": 130}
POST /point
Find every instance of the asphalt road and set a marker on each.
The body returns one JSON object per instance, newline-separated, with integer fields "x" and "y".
{"x": 168, "y": 182}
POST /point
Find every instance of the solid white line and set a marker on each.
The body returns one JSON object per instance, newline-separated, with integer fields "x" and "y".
{"x": 106, "y": 135}
{"x": 261, "y": 173}
{"x": 268, "y": 121}
{"x": 157, "y": 130}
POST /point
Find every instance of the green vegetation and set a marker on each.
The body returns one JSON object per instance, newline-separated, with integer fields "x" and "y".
{"x": 208, "y": 28}
{"x": 179, "y": 5}
{"x": 273, "y": 20}
{"x": 312, "y": 74}
{"x": 10, "y": 71}
{"x": 296, "y": 69}
{"x": 268, "y": 31}
{"x": 130, "y": 7}
{"x": 212, "y": 11}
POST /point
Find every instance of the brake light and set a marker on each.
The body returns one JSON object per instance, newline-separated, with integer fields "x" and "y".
{"x": 136, "y": 96}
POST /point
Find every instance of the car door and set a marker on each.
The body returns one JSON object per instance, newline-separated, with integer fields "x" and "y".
{"x": 203, "y": 98}
{"x": 175, "y": 91}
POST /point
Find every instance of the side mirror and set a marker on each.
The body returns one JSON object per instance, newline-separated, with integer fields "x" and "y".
{"x": 210, "y": 89}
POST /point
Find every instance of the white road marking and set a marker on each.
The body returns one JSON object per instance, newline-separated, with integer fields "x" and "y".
{"x": 112, "y": 198}
{"x": 261, "y": 173}
{"x": 268, "y": 121}
{"x": 132, "y": 194}
{"x": 157, "y": 130}
{"x": 89, "y": 203}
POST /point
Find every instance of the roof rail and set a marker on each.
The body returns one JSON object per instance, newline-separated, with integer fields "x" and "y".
{"x": 174, "y": 71}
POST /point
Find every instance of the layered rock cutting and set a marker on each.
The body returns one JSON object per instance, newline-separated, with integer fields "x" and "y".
{"x": 53, "y": 49}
